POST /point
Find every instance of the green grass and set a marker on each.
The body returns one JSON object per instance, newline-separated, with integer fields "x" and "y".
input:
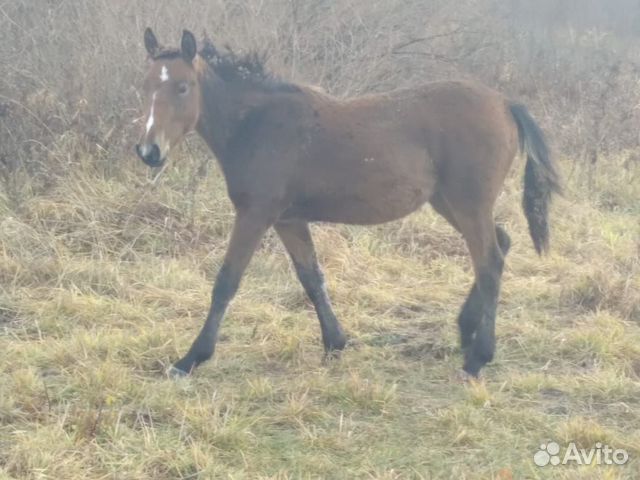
{"x": 105, "y": 282}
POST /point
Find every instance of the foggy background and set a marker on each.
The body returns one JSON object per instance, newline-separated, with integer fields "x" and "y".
{"x": 105, "y": 276}
{"x": 71, "y": 70}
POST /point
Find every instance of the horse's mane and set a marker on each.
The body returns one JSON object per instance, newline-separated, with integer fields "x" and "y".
{"x": 248, "y": 69}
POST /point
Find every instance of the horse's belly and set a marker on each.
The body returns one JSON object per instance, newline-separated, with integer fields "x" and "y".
{"x": 366, "y": 207}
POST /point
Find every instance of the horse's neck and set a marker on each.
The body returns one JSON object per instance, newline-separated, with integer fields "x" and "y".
{"x": 222, "y": 109}
{"x": 214, "y": 123}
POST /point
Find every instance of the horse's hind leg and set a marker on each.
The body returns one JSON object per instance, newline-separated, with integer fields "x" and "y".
{"x": 471, "y": 312}
{"x": 504, "y": 240}
{"x": 484, "y": 241}
{"x": 296, "y": 238}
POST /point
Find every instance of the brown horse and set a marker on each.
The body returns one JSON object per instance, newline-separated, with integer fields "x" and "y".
{"x": 292, "y": 154}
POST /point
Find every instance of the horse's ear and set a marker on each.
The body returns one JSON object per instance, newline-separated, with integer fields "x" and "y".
{"x": 150, "y": 42}
{"x": 188, "y": 46}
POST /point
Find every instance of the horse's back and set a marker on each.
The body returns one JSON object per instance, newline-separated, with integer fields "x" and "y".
{"x": 379, "y": 157}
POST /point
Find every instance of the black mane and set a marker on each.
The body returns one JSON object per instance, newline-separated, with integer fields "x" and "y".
{"x": 248, "y": 69}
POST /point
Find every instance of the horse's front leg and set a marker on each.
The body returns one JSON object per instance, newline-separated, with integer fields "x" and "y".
{"x": 248, "y": 229}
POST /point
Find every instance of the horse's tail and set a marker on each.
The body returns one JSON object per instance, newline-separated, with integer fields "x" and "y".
{"x": 540, "y": 177}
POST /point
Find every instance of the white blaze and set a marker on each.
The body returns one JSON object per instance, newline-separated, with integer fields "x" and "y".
{"x": 164, "y": 74}
{"x": 150, "y": 120}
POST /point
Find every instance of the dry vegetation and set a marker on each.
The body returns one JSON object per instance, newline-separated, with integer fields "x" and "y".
{"x": 105, "y": 276}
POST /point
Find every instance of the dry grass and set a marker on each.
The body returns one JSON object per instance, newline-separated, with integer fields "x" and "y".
{"x": 104, "y": 283}
{"x": 105, "y": 278}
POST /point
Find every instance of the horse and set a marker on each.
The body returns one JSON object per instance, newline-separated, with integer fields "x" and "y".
{"x": 292, "y": 154}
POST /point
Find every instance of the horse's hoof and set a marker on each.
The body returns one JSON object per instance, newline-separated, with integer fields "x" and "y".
{"x": 331, "y": 356}
{"x": 175, "y": 373}
{"x": 463, "y": 377}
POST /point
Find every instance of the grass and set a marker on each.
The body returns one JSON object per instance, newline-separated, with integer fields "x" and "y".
{"x": 105, "y": 281}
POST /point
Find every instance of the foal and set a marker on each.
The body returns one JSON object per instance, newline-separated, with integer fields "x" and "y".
{"x": 291, "y": 154}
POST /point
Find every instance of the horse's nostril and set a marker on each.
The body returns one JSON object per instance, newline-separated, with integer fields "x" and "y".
{"x": 150, "y": 154}
{"x": 154, "y": 155}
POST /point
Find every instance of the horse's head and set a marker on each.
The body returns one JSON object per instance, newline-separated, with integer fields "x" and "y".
{"x": 172, "y": 98}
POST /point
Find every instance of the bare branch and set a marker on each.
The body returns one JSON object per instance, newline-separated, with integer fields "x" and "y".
{"x": 413, "y": 41}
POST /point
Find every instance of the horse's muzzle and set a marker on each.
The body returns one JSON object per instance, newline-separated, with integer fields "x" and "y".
{"x": 150, "y": 154}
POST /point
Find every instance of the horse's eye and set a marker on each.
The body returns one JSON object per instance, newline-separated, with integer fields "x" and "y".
{"x": 183, "y": 88}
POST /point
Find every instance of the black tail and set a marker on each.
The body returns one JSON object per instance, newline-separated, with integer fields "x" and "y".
{"x": 540, "y": 177}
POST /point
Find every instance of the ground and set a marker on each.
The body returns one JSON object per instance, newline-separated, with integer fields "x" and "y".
{"x": 104, "y": 280}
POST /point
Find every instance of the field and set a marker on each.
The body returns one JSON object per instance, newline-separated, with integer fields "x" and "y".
{"x": 106, "y": 274}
